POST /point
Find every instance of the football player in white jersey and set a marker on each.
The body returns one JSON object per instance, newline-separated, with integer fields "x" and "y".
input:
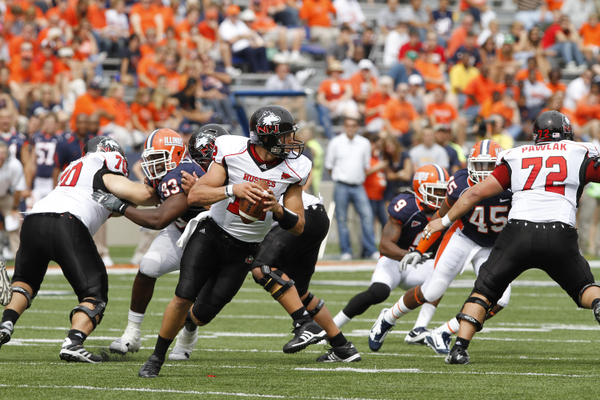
{"x": 221, "y": 248}
{"x": 60, "y": 228}
{"x": 163, "y": 163}
{"x": 547, "y": 180}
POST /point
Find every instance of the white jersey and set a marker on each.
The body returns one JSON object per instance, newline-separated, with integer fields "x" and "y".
{"x": 547, "y": 180}
{"x": 233, "y": 153}
{"x": 73, "y": 193}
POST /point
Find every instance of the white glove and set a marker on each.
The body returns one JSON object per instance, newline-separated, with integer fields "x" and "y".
{"x": 411, "y": 259}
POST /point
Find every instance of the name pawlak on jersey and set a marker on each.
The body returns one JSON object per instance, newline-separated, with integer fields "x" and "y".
{"x": 236, "y": 155}
{"x": 547, "y": 180}
{"x": 78, "y": 181}
{"x": 484, "y": 222}
{"x": 404, "y": 209}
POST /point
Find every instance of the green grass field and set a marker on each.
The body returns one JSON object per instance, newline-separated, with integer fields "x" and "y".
{"x": 540, "y": 347}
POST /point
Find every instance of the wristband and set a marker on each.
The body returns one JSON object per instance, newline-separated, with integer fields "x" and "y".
{"x": 289, "y": 219}
{"x": 229, "y": 191}
{"x": 122, "y": 208}
{"x": 446, "y": 221}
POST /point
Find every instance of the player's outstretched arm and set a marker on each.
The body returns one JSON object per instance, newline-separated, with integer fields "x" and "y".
{"x": 426, "y": 243}
{"x": 136, "y": 193}
{"x": 209, "y": 188}
{"x": 486, "y": 189}
{"x": 161, "y": 216}
{"x": 389, "y": 236}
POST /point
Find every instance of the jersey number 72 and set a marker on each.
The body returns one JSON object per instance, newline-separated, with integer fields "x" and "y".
{"x": 554, "y": 178}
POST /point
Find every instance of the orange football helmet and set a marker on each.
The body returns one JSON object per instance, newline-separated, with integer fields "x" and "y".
{"x": 482, "y": 159}
{"x": 430, "y": 184}
{"x": 163, "y": 151}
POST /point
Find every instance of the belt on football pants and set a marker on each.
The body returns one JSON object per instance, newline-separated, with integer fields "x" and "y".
{"x": 540, "y": 225}
{"x": 316, "y": 207}
{"x": 229, "y": 238}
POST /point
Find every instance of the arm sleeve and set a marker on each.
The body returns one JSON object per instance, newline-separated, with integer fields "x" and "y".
{"x": 502, "y": 175}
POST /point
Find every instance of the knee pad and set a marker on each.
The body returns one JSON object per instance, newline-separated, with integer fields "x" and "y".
{"x": 580, "y": 292}
{"x": 99, "y": 305}
{"x": 379, "y": 292}
{"x": 317, "y": 308}
{"x": 472, "y": 320}
{"x": 272, "y": 278}
{"x": 20, "y": 290}
{"x": 204, "y": 313}
{"x": 150, "y": 267}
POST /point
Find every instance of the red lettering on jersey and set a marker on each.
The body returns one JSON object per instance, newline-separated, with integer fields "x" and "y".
{"x": 252, "y": 178}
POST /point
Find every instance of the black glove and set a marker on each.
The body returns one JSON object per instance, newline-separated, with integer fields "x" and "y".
{"x": 110, "y": 201}
{"x": 596, "y": 161}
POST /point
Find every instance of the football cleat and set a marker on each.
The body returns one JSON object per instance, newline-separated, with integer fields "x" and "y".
{"x": 345, "y": 353}
{"x": 439, "y": 341}
{"x": 77, "y": 353}
{"x": 417, "y": 336}
{"x": 129, "y": 342}
{"x": 5, "y": 288}
{"x": 597, "y": 312}
{"x": 186, "y": 341}
{"x": 151, "y": 368}
{"x": 304, "y": 335}
{"x": 379, "y": 331}
{"x": 458, "y": 355}
{"x": 6, "y": 331}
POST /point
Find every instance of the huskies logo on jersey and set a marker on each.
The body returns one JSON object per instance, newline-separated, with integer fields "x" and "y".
{"x": 268, "y": 123}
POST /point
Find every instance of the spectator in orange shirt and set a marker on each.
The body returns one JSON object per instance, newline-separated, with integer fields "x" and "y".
{"x": 315, "y": 15}
{"x": 27, "y": 35}
{"x": 151, "y": 67}
{"x": 375, "y": 182}
{"x": 64, "y": 12}
{"x": 334, "y": 98}
{"x": 590, "y": 35}
{"x": 145, "y": 15}
{"x": 363, "y": 83}
{"x": 45, "y": 75}
{"x": 164, "y": 111}
{"x": 555, "y": 84}
{"x": 459, "y": 35}
{"x": 523, "y": 74}
{"x": 141, "y": 113}
{"x": 400, "y": 117}
{"x": 21, "y": 75}
{"x": 588, "y": 110}
{"x": 509, "y": 83}
{"x": 509, "y": 110}
{"x": 375, "y": 104}
{"x": 442, "y": 112}
{"x": 92, "y": 102}
{"x": 478, "y": 91}
{"x": 431, "y": 72}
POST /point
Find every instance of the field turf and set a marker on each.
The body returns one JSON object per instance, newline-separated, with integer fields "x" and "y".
{"x": 541, "y": 347}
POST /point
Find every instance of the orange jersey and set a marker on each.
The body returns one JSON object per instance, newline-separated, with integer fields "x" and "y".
{"x": 430, "y": 71}
{"x": 86, "y": 104}
{"x": 558, "y": 87}
{"x": 96, "y": 16}
{"x": 590, "y": 35}
{"x": 502, "y": 109}
{"x": 554, "y": 5}
{"x": 151, "y": 69}
{"x": 360, "y": 86}
{"x": 374, "y": 101}
{"x": 501, "y": 88}
{"x": 123, "y": 113}
{"x": 400, "y": 114}
{"x": 523, "y": 75}
{"x": 316, "y": 12}
{"x": 333, "y": 89}
{"x": 144, "y": 113}
{"x": 481, "y": 88}
{"x": 20, "y": 75}
{"x": 206, "y": 31}
{"x": 375, "y": 183}
{"x": 146, "y": 16}
{"x": 161, "y": 114}
{"x": 443, "y": 113}
{"x": 68, "y": 16}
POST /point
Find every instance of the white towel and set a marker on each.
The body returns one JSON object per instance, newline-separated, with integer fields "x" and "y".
{"x": 191, "y": 228}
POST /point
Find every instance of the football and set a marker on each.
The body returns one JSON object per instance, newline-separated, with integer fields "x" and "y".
{"x": 253, "y": 212}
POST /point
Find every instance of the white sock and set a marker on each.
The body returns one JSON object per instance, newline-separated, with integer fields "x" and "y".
{"x": 134, "y": 321}
{"x": 397, "y": 311}
{"x": 425, "y": 315}
{"x": 295, "y": 53}
{"x": 341, "y": 319}
{"x": 451, "y": 326}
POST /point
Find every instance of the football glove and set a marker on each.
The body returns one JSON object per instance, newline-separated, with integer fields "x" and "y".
{"x": 110, "y": 201}
{"x": 411, "y": 259}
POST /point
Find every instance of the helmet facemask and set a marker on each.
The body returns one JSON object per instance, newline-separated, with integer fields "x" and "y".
{"x": 480, "y": 167}
{"x": 433, "y": 194}
{"x": 278, "y": 144}
{"x": 156, "y": 163}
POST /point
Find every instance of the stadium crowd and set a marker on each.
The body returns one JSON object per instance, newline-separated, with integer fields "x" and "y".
{"x": 422, "y": 82}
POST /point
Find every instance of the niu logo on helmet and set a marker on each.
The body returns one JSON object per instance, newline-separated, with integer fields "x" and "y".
{"x": 268, "y": 123}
